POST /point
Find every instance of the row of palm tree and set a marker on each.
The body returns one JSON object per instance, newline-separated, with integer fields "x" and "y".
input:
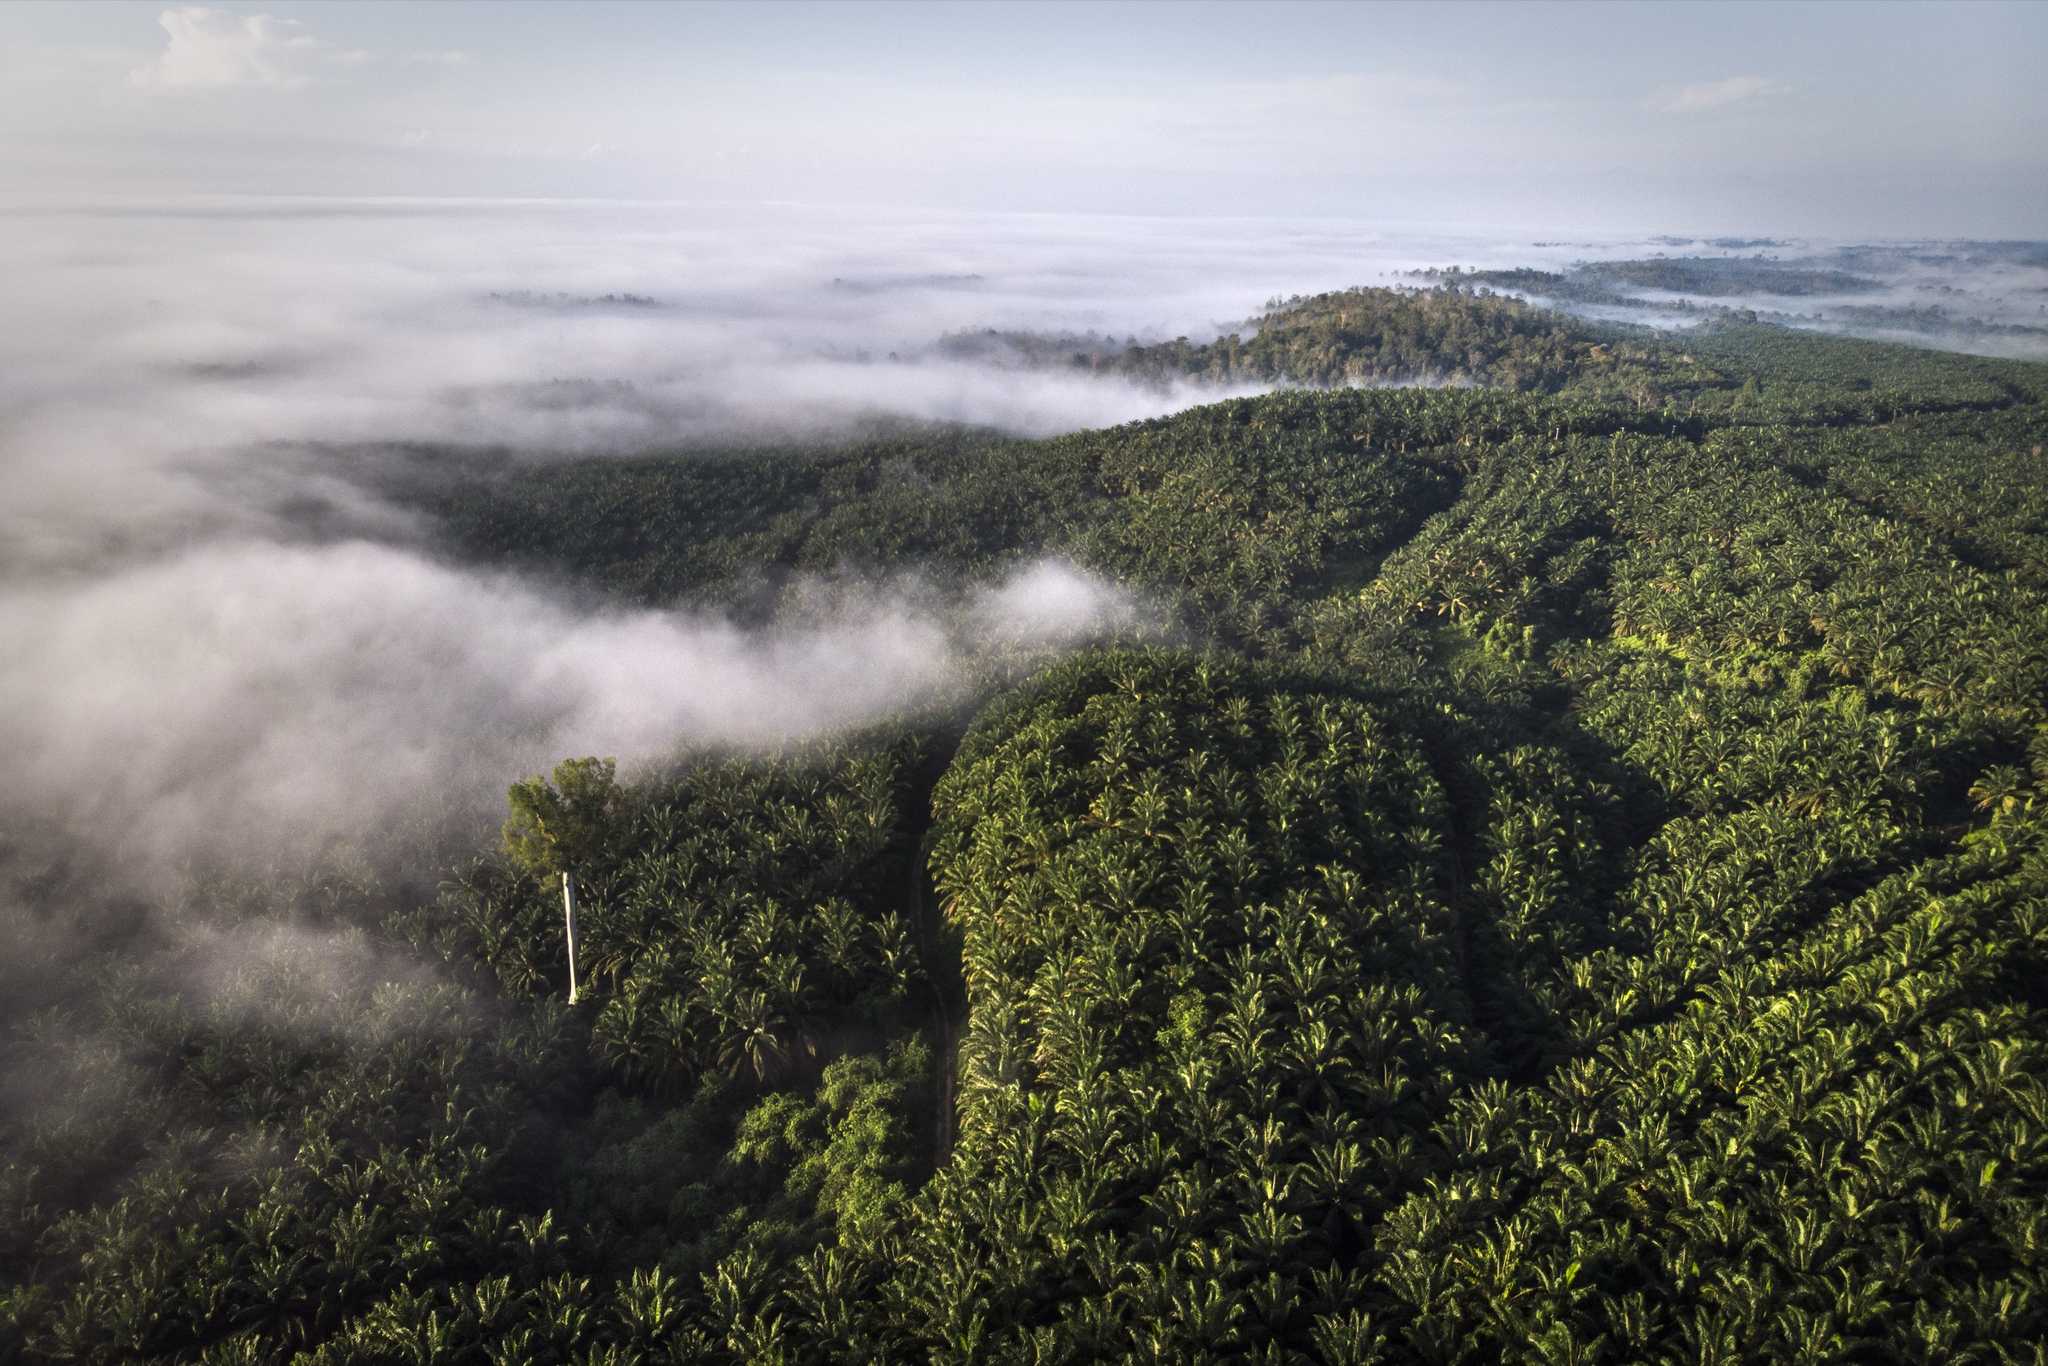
{"x": 1606, "y": 927}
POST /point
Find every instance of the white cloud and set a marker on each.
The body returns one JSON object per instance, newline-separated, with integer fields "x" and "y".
{"x": 1694, "y": 99}
{"x": 211, "y": 49}
{"x": 258, "y": 699}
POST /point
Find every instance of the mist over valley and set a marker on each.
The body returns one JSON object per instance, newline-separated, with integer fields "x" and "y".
{"x": 869, "y": 683}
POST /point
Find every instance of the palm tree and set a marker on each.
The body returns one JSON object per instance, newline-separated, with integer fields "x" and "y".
{"x": 755, "y": 1038}
{"x": 2002, "y": 790}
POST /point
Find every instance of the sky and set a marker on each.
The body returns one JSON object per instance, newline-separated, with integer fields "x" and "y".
{"x": 1845, "y": 118}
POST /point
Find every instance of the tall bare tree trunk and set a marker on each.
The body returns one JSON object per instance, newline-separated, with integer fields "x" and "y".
{"x": 569, "y": 921}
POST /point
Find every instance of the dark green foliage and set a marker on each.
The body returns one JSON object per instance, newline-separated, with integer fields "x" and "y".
{"x": 746, "y": 919}
{"x": 728, "y": 530}
{"x": 1368, "y": 335}
{"x": 1580, "y": 893}
{"x": 1212, "y": 988}
{"x": 1246, "y": 508}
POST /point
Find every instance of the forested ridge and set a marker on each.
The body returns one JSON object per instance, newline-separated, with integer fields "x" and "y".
{"x": 1569, "y": 883}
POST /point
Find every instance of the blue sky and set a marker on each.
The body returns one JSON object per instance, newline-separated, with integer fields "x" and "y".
{"x": 1845, "y": 118}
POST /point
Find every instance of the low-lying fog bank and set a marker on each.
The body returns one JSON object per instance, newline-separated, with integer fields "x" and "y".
{"x": 278, "y": 698}
{"x": 192, "y": 672}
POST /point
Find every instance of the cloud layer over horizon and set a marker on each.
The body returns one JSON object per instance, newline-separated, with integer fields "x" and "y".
{"x": 1845, "y": 118}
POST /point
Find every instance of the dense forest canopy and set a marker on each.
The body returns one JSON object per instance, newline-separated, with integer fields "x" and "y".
{"x": 1567, "y": 882}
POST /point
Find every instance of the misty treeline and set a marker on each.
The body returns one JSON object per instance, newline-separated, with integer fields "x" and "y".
{"x": 1474, "y": 328}
{"x": 1358, "y": 337}
{"x": 1909, "y": 291}
{"x": 1571, "y": 885}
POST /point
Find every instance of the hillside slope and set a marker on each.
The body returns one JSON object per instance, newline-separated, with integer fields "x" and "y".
{"x": 1571, "y": 885}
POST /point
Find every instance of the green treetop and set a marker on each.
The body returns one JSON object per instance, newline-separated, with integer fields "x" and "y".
{"x": 557, "y": 828}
